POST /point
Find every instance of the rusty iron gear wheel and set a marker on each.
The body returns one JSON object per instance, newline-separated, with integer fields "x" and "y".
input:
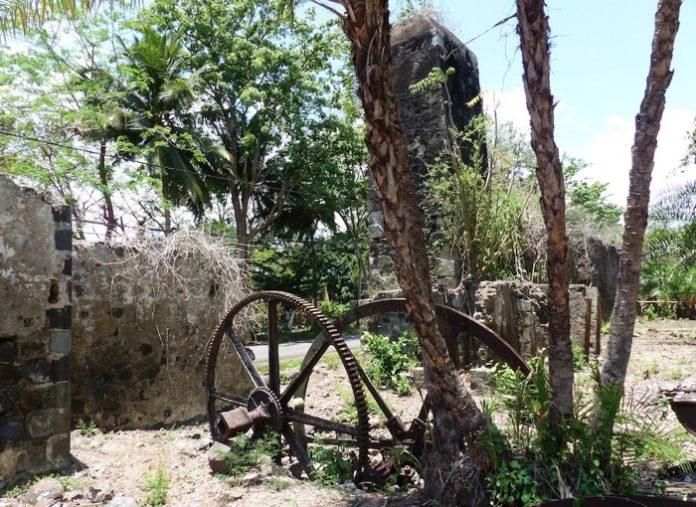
{"x": 263, "y": 396}
{"x": 331, "y": 336}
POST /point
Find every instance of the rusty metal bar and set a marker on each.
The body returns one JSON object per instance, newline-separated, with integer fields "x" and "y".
{"x": 320, "y": 423}
{"x": 598, "y": 330}
{"x": 245, "y": 358}
{"x": 588, "y": 327}
{"x": 273, "y": 360}
{"x": 305, "y": 371}
{"x": 235, "y": 400}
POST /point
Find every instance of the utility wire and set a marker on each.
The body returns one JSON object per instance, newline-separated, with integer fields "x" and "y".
{"x": 57, "y": 144}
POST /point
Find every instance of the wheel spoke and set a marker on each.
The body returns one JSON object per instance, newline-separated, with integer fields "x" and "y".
{"x": 246, "y": 360}
{"x": 235, "y": 400}
{"x": 297, "y": 449}
{"x": 273, "y": 361}
{"x": 381, "y": 443}
{"x": 301, "y": 380}
{"x": 320, "y": 423}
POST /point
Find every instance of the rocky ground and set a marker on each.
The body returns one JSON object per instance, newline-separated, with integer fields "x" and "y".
{"x": 169, "y": 466}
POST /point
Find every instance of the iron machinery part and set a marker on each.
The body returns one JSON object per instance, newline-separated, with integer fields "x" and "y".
{"x": 685, "y": 410}
{"x": 281, "y": 405}
{"x": 457, "y": 322}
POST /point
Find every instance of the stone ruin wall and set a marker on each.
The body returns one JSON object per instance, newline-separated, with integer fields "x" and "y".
{"x": 419, "y": 44}
{"x": 35, "y": 336}
{"x": 85, "y": 333}
{"x": 517, "y": 311}
{"x": 139, "y": 356}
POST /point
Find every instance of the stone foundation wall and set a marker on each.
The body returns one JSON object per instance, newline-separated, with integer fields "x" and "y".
{"x": 139, "y": 354}
{"x": 518, "y": 312}
{"x": 35, "y": 336}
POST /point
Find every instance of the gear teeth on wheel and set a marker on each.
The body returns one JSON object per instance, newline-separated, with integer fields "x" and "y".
{"x": 330, "y": 333}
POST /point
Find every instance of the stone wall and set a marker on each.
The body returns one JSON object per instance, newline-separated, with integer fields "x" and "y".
{"x": 518, "y": 312}
{"x": 140, "y": 336}
{"x": 597, "y": 264}
{"x": 418, "y": 45}
{"x": 35, "y": 339}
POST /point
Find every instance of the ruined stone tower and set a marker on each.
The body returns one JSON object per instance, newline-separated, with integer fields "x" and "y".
{"x": 420, "y": 44}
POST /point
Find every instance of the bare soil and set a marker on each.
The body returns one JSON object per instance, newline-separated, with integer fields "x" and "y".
{"x": 109, "y": 466}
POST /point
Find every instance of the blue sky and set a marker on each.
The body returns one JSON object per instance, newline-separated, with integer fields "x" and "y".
{"x": 599, "y": 60}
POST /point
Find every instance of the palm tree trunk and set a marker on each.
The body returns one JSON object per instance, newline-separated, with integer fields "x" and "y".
{"x": 636, "y": 216}
{"x": 456, "y": 414}
{"x": 533, "y": 30}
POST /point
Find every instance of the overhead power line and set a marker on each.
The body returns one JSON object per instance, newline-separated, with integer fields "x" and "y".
{"x": 57, "y": 144}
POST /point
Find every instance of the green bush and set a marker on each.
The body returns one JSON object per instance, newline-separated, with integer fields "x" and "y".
{"x": 388, "y": 358}
{"x": 533, "y": 464}
{"x": 333, "y": 464}
{"x": 333, "y": 309}
{"x": 248, "y": 452}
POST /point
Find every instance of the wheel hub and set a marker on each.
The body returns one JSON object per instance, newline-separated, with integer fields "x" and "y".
{"x": 264, "y": 397}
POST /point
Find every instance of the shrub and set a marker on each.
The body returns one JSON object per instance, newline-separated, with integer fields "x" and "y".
{"x": 388, "y": 358}
{"x": 533, "y": 464}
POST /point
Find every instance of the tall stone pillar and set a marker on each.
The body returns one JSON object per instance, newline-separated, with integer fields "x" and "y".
{"x": 420, "y": 44}
{"x": 35, "y": 339}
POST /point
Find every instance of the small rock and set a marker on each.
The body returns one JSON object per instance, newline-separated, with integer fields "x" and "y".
{"x": 235, "y": 493}
{"x": 216, "y": 458}
{"x": 71, "y": 496}
{"x": 481, "y": 378}
{"x": 122, "y": 501}
{"x": 251, "y": 478}
{"x": 99, "y": 495}
{"x": 689, "y": 479}
{"x": 45, "y": 489}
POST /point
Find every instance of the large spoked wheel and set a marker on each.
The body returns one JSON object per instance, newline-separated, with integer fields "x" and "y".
{"x": 457, "y": 328}
{"x": 270, "y": 404}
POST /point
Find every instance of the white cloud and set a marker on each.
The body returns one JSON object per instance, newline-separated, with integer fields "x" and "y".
{"x": 608, "y": 150}
{"x": 609, "y": 153}
{"x": 510, "y": 106}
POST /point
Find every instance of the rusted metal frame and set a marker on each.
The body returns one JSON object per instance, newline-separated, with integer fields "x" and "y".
{"x": 486, "y": 335}
{"x": 588, "y": 327}
{"x": 273, "y": 360}
{"x": 235, "y": 400}
{"x": 330, "y": 333}
{"x": 320, "y": 423}
{"x": 304, "y": 373}
{"x": 394, "y": 424}
{"x": 685, "y": 411}
{"x": 465, "y": 323}
{"x": 297, "y": 449}
{"x": 381, "y": 443}
{"x": 246, "y": 360}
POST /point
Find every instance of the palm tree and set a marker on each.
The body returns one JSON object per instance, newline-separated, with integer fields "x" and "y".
{"x": 155, "y": 120}
{"x": 25, "y": 14}
{"x": 456, "y": 416}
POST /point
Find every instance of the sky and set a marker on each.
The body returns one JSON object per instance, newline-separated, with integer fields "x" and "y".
{"x": 600, "y": 55}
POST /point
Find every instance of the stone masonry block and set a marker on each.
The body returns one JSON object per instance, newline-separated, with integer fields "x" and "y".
{"x": 60, "y": 342}
{"x": 58, "y": 448}
{"x": 42, "y": 423}
{"x": 58, "y": 318}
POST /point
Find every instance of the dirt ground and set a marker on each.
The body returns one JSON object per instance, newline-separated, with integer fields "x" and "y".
{"x": 117, "y": 469}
